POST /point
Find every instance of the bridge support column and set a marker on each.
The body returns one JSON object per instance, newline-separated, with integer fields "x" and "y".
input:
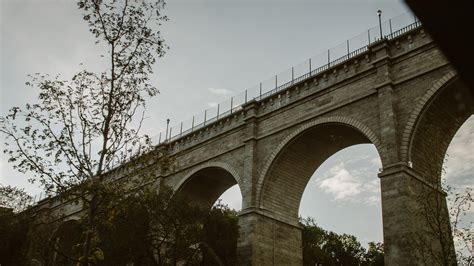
{"x": 264, "y": 240}
{"x": 415, "y": 220}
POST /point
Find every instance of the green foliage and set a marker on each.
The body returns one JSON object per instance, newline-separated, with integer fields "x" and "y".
{"x": 314, "y": 239}
{"x": 147, "y": 228}
{"x": 65, "y": 243}
{"x": 374, "y": 255}
{"x": 13, "y": 235}
{"x": 124, "y": 235}
{"x": 14, "y": 198}
{"x": 328, "y": 248}
{"x": 13, "y": 226}
{"x": 83, "y": 127}
{"x": 221, "y": 232}
{"x": 162, "y": 228}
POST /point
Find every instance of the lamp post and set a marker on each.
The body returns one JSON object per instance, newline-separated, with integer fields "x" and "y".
{"x": 379, "y": 12}
{"x": 167, "y": 125}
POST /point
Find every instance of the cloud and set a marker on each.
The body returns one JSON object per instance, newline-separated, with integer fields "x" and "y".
{"x": 220, "y": 91}
{"x": 460, "y": 158}
{"x": 350, "y": 185}
{"x": 372, "y": 186}
{"x": 341, "y": 183}
{"x": 373, "y": 200}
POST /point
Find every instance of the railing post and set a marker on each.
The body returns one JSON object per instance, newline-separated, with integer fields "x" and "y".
{"x": 379, "y": 13}
{"x": 168, "y": 137}
{"x": 167, "y": 125}
{"x": 390, "y": 24}
{"x": 347, "y": 42}
{"x": 329, "y": 57}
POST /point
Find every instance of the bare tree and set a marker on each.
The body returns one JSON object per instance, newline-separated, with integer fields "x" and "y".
{"x": 445, "y": 236}
{"x": 434, "y": 238}
{"x": 79, "y": 129}
{"x": 460, "y": 204}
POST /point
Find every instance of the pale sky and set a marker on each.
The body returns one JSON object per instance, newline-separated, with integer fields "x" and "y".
{"x": 218, "y": 48}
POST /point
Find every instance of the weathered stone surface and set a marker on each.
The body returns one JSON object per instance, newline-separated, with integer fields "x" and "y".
{"x": 401, "y": 95}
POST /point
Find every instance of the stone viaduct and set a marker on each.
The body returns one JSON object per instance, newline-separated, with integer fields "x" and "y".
{"x": 401, "y": 95}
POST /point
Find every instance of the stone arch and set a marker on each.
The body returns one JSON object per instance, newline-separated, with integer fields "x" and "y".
{"x": 206, "y": 182}
{"x": 200, "y": 167}
{"x": 60, "y": 223}
{"x": 415, "y": 113}
{"x": 62, "y": 242}
{"x": 433, "y": 123}
{"x": 351, "y": 126}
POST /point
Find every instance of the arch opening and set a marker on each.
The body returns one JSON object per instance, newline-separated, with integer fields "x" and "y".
{"x": 232, "y": 197}
{"x": 63, "y": 243}
{"x": 205, "y": 186}
{"x": 343, "y": 195}
{"x": 441, "y": 117}
{"x": 297, "y": 161}
{"x": 445, "y": 109}
{"x": 458, "y": 168}
{"x": 220, "y": 231}
{"x": 458, "y": 165}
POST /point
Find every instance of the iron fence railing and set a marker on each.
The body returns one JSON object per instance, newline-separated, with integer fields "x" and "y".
{"x": 315, "y": 65}
{"x": 351, "y": 48}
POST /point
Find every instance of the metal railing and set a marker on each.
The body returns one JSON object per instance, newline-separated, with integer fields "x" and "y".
{"x": 351, "y": 48}
{"x": 315, "y": 65}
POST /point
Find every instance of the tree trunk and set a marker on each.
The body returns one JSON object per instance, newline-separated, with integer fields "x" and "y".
{"x": 86, "y": 253}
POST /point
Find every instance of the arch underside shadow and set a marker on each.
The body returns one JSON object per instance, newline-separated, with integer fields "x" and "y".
{"x": 63, "y": 243}
{"x": 294, "y": 165}
{"x": 205, "y": 186}
{"x": 440, "y": 119}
